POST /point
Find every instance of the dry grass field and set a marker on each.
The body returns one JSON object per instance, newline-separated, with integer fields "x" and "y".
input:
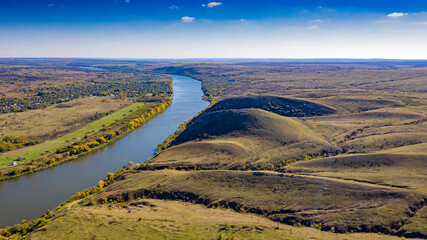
{"x": 285, "y": 198}
{"x": 57, "y": 120}
{"x": 85, "y": 123}
{"x": 400, "y": 167}
{"x": 160, "y": 219}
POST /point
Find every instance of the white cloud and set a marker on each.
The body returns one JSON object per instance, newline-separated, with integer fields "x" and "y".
{"x": 187, "y": 19}
{"x": 397, "y": 14}
{"x": 127, "y": 1}
{"x": 212, "y": 4}
{"x": 173, "y": 7}
{"x": 243, "y": 20}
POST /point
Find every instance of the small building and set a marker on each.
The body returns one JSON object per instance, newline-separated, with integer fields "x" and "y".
{"x": 20, "y": 158}
{"x": 14, "y": 163}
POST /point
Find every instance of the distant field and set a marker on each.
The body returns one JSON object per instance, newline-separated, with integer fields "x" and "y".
{"x": 57, "y": 120}
{"x": 303, "y": 80}
{"x": 36, "y": 151}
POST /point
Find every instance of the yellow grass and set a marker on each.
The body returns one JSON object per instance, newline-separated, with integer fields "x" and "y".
{"x": 159, "y": 219}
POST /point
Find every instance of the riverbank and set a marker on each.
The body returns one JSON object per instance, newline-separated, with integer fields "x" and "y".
{"x": 54, "y": 118}
{"x": 106, "y": 135}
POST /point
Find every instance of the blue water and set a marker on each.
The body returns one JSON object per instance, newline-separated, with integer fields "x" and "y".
{"x": 30, "y": 196}
{"x": 93, "y": 68}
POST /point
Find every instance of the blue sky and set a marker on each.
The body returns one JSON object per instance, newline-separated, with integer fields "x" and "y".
{"x": 219, "y": 29}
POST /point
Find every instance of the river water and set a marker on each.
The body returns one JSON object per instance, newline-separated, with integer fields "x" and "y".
{"x": 30, "y": 196}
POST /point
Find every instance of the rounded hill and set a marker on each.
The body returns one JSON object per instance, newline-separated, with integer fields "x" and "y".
{"x": 279, "y": 105}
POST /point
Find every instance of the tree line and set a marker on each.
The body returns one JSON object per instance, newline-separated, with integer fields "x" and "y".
{"x": 11, "y": 142}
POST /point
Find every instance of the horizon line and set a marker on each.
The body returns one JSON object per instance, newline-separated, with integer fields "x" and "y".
{"x": 225, "y": 58}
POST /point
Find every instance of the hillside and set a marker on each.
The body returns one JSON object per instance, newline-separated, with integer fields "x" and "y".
{"x": 401, "y": 167}
{"x": 332, "y": 204}
{"x": 163, "y": 219}
{"x": 241, "y": 138}
{"x": 380, "y": 192}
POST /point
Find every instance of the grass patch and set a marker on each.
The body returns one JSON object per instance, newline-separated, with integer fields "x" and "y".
{"x": 405, "y": 168}
{"x": 57, "y": 120}
{"x": 36, "y": 151}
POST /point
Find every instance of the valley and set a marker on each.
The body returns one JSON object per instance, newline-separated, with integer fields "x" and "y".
{"x": 284, "y": 151}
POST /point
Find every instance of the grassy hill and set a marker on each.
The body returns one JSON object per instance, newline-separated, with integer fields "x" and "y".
{"x": 374, "y": 130}
{"x": 401, "y": 167}
{"x": 241, "y": 138}
{"x": 379, "y": 192}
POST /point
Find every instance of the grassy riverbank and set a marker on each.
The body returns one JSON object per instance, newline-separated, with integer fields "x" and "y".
{"x": 37, "y": 151}
{"x": 87, "y": 139}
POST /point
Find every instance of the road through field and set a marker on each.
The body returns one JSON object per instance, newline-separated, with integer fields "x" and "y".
{"x": 32, "y": 195}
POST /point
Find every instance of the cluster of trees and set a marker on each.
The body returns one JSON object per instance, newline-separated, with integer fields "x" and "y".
{"x": 132, "y": 84}
{"x": 46, "y": 96}
{"x": 81, "y": 147}
{"x": 139, "y": 121}
{"x": 25, "y": 227}
{"x": 98, "y": 188}
{"x": 10, "y": 142}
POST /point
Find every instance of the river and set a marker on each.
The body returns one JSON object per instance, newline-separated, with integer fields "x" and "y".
{"x": 30, "y": 196}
